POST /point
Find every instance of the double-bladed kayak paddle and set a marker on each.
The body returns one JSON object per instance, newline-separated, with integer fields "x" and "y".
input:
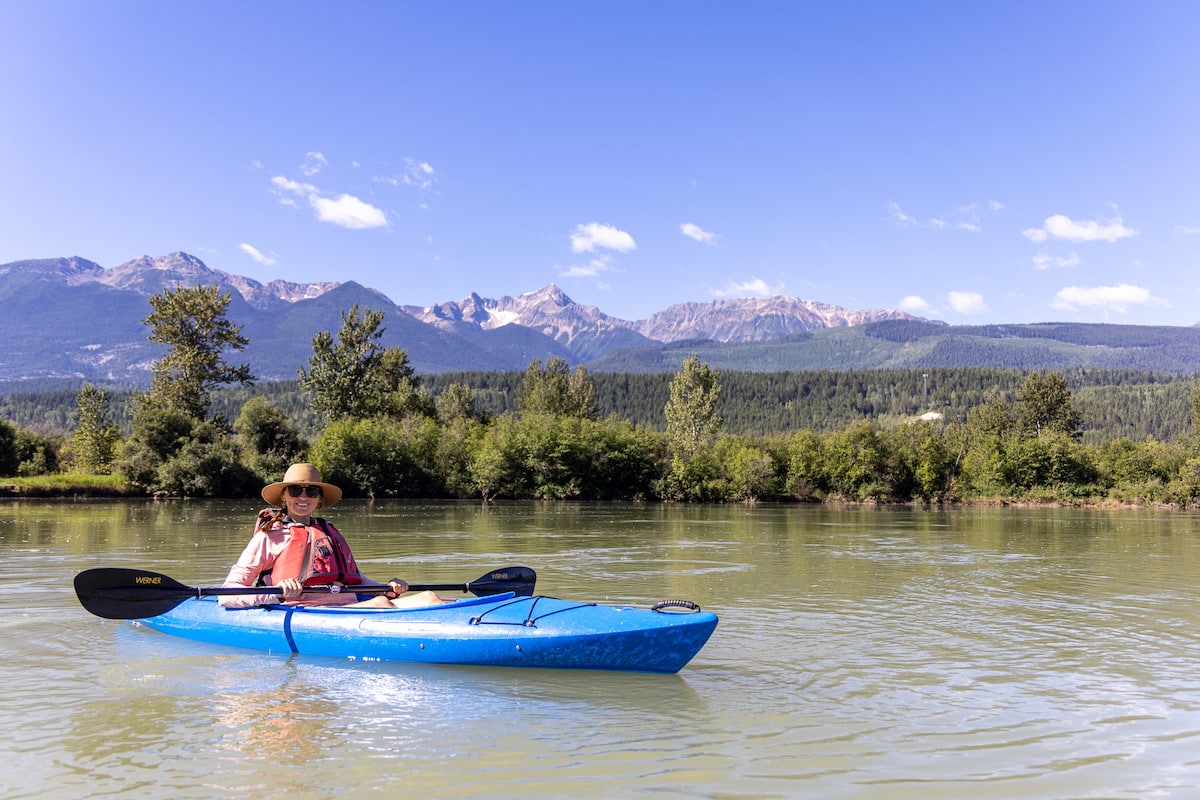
{"x": 120, "y": 593}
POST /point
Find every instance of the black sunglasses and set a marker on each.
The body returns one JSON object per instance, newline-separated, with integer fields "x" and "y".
{"x": 311, "y": 491}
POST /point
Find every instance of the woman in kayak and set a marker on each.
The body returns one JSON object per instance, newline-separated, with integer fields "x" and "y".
{"x": 291, "y": 549}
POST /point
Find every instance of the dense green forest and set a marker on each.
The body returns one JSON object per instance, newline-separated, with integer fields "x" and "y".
{"x": 1115, "y": 404}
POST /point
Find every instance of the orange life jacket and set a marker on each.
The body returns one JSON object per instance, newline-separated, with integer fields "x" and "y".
{"x": 313, "y": 554}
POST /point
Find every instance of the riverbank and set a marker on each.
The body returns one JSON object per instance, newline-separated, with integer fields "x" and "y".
{"x": 70, "y": 486}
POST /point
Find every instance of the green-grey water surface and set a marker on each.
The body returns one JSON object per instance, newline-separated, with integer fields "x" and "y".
{"x": 861, "y": 653}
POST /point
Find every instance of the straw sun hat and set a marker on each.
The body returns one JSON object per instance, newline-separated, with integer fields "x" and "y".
{"x": 303, "y": 474}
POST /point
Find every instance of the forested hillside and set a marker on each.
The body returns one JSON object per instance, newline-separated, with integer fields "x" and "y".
{"x": 920, "y": 345}
{"x": 1114, "y": 403}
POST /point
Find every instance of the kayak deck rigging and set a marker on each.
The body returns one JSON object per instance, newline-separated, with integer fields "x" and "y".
{"x": 530, "y": 620}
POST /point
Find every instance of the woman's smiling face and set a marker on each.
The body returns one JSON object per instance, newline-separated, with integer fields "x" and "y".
{"x": 303, "y": 506}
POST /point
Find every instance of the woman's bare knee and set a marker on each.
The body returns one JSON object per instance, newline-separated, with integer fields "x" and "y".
{"x": 416, "y": 600}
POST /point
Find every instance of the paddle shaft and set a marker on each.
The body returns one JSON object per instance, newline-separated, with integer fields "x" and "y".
{"x": 213, "y": 591}
{"x": 117, "y": 593}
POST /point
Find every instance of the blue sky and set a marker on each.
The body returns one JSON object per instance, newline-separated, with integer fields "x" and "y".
{"x": 975, "y": 162}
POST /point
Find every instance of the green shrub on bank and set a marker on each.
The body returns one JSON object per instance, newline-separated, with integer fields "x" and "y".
{"x": 540, "y": 457}
{"x": 381, "y": 457}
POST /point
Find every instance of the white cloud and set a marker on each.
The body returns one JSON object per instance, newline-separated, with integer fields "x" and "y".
{"x": 914, "y": 304}
{"x": 597, "y": 265}
{"x": 1187, "y": 230}
{"x": 966, "y": 218}
{"x": 966, "y": 302}
{"x": 345, "y": 210}
{"x": 755, "y": 287}
{"x": 293, "y": 187}
{"x": 1060, "y": 226}
{"x": 313, "y": 163}
{"x": 1046, "y": 261}
{"x": 897, "y": 215}
{"x": 587, "y": 238}
{"x": 960, "y": 218}
{"x": 258, "y": 256}
{"x": 699, "y": 234}
{"x": 420, "y": 174}
{"x": 1110, "y": 298}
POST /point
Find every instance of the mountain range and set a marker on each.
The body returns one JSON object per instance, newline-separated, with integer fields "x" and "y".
{"x": 74, "y": 319}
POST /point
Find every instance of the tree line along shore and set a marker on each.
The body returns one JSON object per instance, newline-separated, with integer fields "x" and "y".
{"x": 203, "y": 428}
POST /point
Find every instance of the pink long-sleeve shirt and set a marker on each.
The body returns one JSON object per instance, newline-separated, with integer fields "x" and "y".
{"x": 259, "y": 555}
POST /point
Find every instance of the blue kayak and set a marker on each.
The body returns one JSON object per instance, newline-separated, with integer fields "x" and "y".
{"x": 498, "y": 631}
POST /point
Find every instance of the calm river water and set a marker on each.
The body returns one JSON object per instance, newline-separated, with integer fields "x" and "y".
{"x": 862, "y": 653}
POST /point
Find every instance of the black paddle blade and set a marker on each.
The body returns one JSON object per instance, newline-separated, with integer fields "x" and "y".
{"x": 518, "y": 580}
{"x": 118, "y": 593}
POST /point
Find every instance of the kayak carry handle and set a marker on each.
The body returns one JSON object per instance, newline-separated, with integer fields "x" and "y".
{"x": 672, "y": 605}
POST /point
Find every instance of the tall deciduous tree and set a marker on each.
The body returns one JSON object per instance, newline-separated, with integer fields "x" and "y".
{"x": 1044, "y": 405}
{"x": 191, "y": 322}
{"x": 269, "y": 441}
{"x": 9, "y": 458}
{"x": 399, "y": 387}
{"x": 454, "y": 403}
{"x": 356, "y": 377}
{"x": 174, "y": 448}
{"x": 556, "y": 391}
{"x": 1194, "y": 398}
{"x": 691, "y": 412}
{"x": 94, "y": 441}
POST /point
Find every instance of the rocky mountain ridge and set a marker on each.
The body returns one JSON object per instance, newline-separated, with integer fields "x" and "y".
{"x": 70, "y": 318}
{"x": 550, "y": 311}
{"x": 547, "y": 309}
{"x": 544, "y": 323}
{"x": 148, "y": 275}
